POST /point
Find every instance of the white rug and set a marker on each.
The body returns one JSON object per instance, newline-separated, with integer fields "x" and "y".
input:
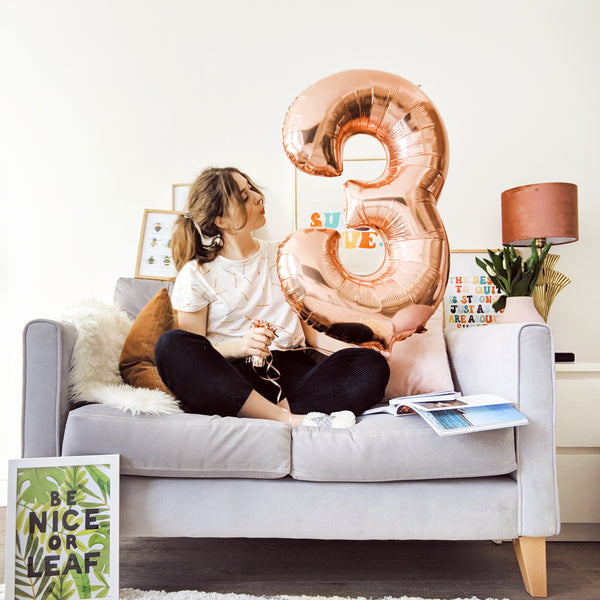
{"x": 130, "y": 594}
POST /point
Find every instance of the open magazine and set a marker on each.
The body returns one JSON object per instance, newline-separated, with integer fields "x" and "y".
{"x": 450, "y": 413}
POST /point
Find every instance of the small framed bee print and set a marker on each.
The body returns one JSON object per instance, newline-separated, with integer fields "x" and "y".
{"x": 155, "y": 260}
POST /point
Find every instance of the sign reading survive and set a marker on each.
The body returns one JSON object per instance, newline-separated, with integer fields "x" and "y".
{"x": 62, "y": 528}
{"x": 320, "y": 203}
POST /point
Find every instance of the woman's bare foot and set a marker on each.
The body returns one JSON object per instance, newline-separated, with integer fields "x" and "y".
{"x": 296, "y": 420}
{"x": 292, "y": 419}
{"x": 258, "y": 407}
{"x": 284, "y": 404}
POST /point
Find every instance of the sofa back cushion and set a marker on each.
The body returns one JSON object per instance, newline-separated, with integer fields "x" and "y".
{"x": 131, "y": 295}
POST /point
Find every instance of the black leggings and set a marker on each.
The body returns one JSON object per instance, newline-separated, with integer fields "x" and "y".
{"x": 207, "y": 383}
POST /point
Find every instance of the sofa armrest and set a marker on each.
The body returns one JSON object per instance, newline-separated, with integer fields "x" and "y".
{"x": 47, "y": 349}
{"x": 516, "y": 361}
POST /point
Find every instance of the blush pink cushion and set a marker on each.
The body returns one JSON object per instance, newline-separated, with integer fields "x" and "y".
{"x": 418, "y": 364}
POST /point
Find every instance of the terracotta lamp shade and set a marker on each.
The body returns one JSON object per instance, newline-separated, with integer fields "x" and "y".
{"x": 540, "y": 210}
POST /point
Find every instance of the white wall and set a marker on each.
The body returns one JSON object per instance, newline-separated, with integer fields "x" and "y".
{"x": 104, "y": 104}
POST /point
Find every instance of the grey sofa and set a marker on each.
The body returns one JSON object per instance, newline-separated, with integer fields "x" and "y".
{"x": 187, "y": 475}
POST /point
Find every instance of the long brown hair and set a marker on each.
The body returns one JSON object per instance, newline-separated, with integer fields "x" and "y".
{"x": 196, "y": 236}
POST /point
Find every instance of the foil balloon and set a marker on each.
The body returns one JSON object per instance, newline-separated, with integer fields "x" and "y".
{"x": 396, "y": 300}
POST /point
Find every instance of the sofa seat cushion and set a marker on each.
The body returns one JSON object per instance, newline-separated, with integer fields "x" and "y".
{"x": 377, "y": 448}
{"x": 180, "y": 445}
{"x": 385, "y": 448}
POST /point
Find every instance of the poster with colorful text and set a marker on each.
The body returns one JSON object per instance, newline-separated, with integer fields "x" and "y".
{"x": 470, "y": 292}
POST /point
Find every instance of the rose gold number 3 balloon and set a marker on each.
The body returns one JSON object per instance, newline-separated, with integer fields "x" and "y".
{"x": 397, "y": 300}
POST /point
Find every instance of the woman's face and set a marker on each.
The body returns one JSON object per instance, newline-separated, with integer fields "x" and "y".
{"x": 253, "y": 203}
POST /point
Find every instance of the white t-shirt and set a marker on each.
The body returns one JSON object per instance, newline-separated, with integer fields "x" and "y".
{"x": 237, "y": 292}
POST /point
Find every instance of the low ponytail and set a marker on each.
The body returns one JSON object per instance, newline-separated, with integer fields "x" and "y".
{"x": 189, "y": 244}
{"x": 186, "y": 242}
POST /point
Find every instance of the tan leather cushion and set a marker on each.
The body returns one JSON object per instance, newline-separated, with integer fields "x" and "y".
{"x": 137, "y": 364}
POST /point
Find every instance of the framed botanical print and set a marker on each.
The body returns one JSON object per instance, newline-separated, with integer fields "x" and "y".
{"x": 62, "y": 528}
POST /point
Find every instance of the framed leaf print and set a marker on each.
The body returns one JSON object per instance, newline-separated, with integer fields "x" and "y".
{"x": 62, "y": 529}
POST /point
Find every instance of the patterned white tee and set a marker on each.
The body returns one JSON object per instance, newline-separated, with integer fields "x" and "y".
{"x": 237, "y": 292}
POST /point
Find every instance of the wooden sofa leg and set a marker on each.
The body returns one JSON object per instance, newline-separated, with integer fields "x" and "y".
{"x": 531, "y": 554}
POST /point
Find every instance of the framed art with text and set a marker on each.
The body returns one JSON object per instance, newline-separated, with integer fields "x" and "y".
{"x": 62, "y": 529}
{"x": 319, "y": 202}
{"x": 155, "y": 260}
{"x": 470, "y": 293}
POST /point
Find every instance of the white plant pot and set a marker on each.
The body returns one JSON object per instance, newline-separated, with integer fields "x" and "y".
{"x": 520, "y": 309}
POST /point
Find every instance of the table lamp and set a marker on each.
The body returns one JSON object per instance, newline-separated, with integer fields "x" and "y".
{"x": 546, "y": 212}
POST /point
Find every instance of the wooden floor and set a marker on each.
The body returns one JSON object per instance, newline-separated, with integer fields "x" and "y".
{"x": 372, "y": 569}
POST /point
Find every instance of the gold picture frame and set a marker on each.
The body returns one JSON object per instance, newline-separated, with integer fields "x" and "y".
{"x": 179, "y": 196}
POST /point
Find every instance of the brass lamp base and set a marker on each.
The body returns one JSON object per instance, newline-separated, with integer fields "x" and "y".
{"x": 549, "y": 283}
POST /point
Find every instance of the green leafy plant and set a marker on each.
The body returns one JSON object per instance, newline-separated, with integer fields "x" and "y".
{"x": 511, "y": 274}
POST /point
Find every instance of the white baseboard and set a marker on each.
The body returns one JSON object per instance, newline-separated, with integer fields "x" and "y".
{"x": 577, "y": 532}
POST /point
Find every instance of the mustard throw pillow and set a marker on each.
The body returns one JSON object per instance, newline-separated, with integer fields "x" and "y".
{"x": 136, "y": 364}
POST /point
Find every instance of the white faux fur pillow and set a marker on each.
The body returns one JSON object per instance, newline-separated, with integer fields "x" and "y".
{"x": 95, "y": 377}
